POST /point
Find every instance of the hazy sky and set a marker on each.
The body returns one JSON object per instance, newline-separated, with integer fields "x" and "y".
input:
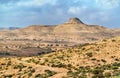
{"x": 20, "y": 13}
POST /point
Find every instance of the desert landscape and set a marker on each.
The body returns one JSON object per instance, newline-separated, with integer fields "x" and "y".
{"x": 59, "y": 39}
{"x": 69, "y": 50}
{"x": 44, "y": 39}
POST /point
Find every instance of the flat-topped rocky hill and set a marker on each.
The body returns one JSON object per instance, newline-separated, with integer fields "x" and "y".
{"x": 73, "y": 31}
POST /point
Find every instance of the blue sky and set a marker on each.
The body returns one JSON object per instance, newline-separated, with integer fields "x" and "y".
{"x": 21, "y": 13}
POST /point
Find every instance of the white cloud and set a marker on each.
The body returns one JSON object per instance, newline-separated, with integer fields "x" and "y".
{"x": 108, "y": 4}
{"x": 26, "y": 3}
{"x": 77, "y": 9}
{"x": 6, "y": 7}
{"x": 74, "y": 10}
{"x": 36, "y": 2}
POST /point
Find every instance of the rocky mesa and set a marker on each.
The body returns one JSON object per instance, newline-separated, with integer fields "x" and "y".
{"x": 73, "y": 31}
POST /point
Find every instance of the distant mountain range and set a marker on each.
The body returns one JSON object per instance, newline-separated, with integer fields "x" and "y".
{"x": 9, "y": 28}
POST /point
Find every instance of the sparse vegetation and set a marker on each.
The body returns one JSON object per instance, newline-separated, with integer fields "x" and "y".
{"x": 96, "y": 60}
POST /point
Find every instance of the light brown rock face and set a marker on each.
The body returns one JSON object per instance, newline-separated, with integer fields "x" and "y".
{"x": 74, "y": 21}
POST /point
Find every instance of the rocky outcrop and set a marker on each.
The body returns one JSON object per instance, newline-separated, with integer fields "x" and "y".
{"x": 74, "y": 21}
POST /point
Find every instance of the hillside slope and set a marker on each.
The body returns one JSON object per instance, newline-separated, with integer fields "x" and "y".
{"x": 108, "y": 50}
{"x": 96, "y": 60}
{"x": 74, "y": 31}
{"x": 99, "y": 60}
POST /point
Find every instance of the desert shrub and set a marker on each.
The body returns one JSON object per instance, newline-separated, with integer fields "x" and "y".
{"x": 57, "y": 45}
{"x": 29, "y": 61}
{"x": 93, "y": 59}
{"x": 39, "y": 76}
{"x": 114, "y": 67}
{"x": 78, "y": 74}
{"x": 50, "y": 73}
{"x": 7, "y": 76}
{"x": 107, "y": 74}
{"x": 89, "y": 54}
{"x": 117, "y": 59}
{"x": 32, "y": 70}
{"x": 47, "y": 74}
{"x": 30, "y": 67}
{"x": 113, "y": 40}
{"x": 112, "y": 56}
{"x": 116, "y": 64}
{"x": 69, "y": 73}
{"x": 29, "y": 74}
{"x": 104, "y": 40}
{"x": 46, "y": 60}
{"x": 61, "y": 65}
{"x": 98, "y": 73}
{"x": 83, "y": 48}
{"x": 103, "y": 60}
{"x": 69, "y": 65}
{"x": 20, "y": 66}
{"x": 33, "y": 60}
